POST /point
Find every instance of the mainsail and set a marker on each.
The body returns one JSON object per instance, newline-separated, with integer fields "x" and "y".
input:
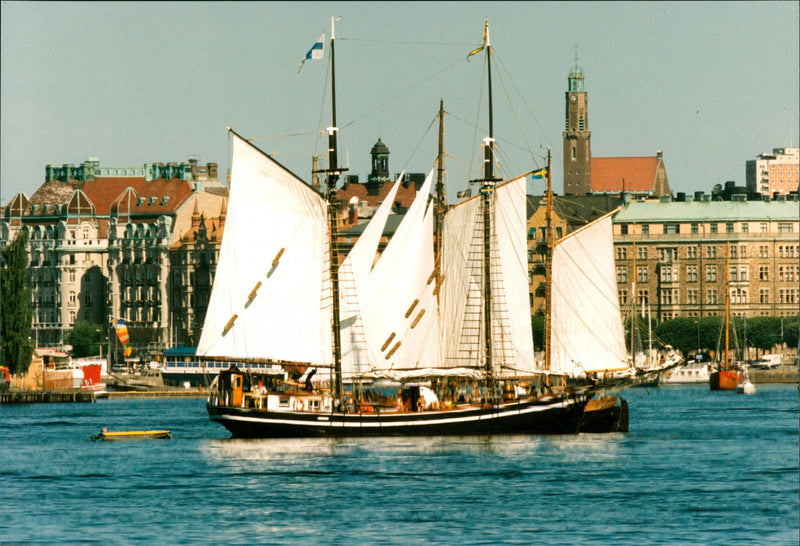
{"x": 586, "y": 331}
{"x": 271, "y": 293}
{"x": 463, "y": 301}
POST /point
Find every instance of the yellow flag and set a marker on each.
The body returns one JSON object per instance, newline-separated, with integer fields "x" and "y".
{"x": 485, "y": 39}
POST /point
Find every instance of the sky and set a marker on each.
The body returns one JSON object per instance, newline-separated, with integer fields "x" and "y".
{"x": 712, "y": 84}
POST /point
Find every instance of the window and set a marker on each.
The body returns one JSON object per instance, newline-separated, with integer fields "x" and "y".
{"x": 733, "y": 252}
{"x": 71, "y": 275}
{"x": 574, "y": 153}
{"x": 641, "y": 274}
{"x": 623, "y": 297}
{"x": 762, "y": 227}
{"x": 72, "y": 298}
{"x": 646, "y": 229}
{"x": 711, "y": 273}
{"x": 694, "y": 229}
{"x": 729, "y": 227}
{"x": 743, "y": 274}
{"x": 692, "y": 297}
{"x": 763, "y": 295}
{"x": 711, "y": 251}
{"x": 72, "y": 317}
{"x": 711, "y": 296}
{"x": 671, "y": 229}
{"x": 734, "y": 276}
{"x": 623, "y": 229}
{"x": 714, "y": 228}
{"x": 691, "y": 273}
{"x": 763, "y": 251}
{"x": 763, "y": 273}
{"x": 785, "y": 227}
{"x": 743, "y": 251}
{"x": 745, "y": 227}
{"x": 641, "y": 253}
{"x": 622, "y": 253}
{"x": 622, "y": 275}
{"x": 691, "y": 252}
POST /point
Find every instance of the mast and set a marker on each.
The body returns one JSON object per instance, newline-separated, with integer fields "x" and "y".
{"x": 548, "y": 274}
{"x": 727, "y": 301}
{"x": 487, "y": 190}
{"x": 332, "y": 177}
{"x": 440, "y": 205}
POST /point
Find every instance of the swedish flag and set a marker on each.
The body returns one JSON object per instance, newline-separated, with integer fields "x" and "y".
{"x": 540, "y": 174}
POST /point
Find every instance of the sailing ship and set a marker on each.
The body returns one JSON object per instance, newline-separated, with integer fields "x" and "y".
{"x": 725, "y": 377}
{"x": 455, "y": 334}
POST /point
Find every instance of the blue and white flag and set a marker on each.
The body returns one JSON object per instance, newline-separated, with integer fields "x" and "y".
{"x": 316, "y": 52}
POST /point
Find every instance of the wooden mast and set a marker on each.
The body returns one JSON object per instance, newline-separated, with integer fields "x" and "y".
{"x": 727, "y": 301}
{"x": 438, "y": 218}
{"x": 548, "y": 273}
{"x": 333, "y": 173}
{"x": 487, "y": 191}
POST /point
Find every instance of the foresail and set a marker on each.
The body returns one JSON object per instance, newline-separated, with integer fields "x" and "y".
{"x": 271, "y": 296}
{"x": 396, "y": 306}
{"x": 353, "y": 276}
{"x": 586, "y": 324}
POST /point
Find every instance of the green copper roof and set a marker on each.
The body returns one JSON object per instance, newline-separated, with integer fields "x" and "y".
{"x": 697, "y": 211}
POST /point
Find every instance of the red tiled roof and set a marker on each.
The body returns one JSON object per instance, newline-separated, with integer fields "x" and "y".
{"x": 104, "y": 192}
{"x": 614, "y": 174}
{"x": 405, "y": 194}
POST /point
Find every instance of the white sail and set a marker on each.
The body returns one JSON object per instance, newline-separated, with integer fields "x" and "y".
{"x": 271, "y": 293}
{"x": 586, "y": 325}
{"x": 462, "y": 301}
{"x": 353, "y": 276}
{"x": 397, "y": 281}
{"x": 511, "y": 226}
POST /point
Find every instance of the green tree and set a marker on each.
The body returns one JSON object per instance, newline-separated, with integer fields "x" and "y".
{"x": 537, "y": 323}
{"x": 763, "y": 332}
{"x": 681, "y": 333}
{"x": 791, "y": 331}
{"x": 85, "y": 339}
{"x": 15, "y": 306}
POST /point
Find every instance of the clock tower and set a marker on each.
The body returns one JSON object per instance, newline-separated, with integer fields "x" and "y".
{"x": 577, "y": 137}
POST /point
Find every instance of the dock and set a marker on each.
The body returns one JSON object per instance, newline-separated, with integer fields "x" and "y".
{"x": 37, "y": 397}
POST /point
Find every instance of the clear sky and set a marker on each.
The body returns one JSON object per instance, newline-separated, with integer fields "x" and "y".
{"x": 712, "y": 84}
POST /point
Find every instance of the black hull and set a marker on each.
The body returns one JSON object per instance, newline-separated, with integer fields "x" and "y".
{"x": 542, "y": 416}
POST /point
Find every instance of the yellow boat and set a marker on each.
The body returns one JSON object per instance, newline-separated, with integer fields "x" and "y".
{"x": 133, "y": 435}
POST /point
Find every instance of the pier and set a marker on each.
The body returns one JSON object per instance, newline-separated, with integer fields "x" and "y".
{"x": 33, "y": 397}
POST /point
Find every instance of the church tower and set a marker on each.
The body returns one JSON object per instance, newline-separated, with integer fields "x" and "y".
{"x": 577, "y": 137}
{"x": 380, "y": 167}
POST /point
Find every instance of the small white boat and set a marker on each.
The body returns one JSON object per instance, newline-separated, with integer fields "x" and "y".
{"x": 745, "y": 386}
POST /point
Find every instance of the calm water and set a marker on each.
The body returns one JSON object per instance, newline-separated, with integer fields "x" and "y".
{"x": 697, "y": 467}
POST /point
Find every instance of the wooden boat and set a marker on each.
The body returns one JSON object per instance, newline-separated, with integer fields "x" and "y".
{"x": 421, "y": 315}
{"x": 724, "y": 377}
{"x": 606, "y": 414}
{"x": 132, "y": 435}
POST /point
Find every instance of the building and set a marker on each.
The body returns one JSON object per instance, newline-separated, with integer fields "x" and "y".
{"x": 677, "y": 254}
{"x": 584, "y": 174}
{"x": 775, "y": 173}
{"x": 359, "y": 201}
{"x": 100, "y": 241}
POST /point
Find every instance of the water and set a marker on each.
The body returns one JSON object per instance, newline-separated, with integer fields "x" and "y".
{"x": 696, "y": 467}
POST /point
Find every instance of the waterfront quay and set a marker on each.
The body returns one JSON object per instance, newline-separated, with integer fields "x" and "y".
{"x": 77, "y": 395}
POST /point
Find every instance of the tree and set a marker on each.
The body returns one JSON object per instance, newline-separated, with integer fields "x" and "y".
{"x": 15, "y": 306}
{"x": 85, "y": 339}
{"x": 763, "y": 332}
{"x": 681, "y": 333}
